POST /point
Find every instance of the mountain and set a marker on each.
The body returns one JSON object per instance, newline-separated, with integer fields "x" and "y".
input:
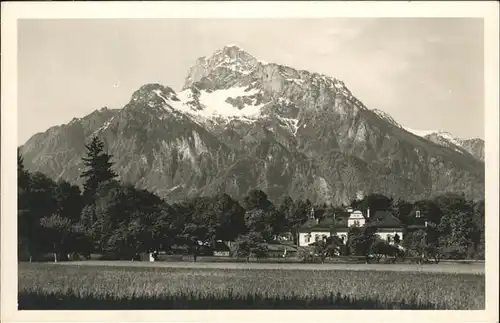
{"x": 474, "y": 146}
{"x": 240, "y": 123}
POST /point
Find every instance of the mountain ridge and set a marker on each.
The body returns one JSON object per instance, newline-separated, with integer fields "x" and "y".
{"x": 239, "y": 123}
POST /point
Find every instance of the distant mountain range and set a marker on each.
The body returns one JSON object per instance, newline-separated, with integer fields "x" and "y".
{"x": 240, "y": 123}
{"x": 474, "y": 146}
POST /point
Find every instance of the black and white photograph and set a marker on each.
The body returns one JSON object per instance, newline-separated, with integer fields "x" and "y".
{"x": 252, "y": 163}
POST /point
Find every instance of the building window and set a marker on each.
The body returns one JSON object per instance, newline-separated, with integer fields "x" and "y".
{"x": 316, "y": 237}
{"x": 417, "y": 214}
{"x": 308, "y": 237}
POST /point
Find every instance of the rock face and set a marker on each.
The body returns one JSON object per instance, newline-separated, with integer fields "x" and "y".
{"x": 474, "y": 146}
{"x": 240, "y": 123}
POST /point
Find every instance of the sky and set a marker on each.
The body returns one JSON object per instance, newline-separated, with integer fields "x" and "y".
{"x": 427, "y": 73}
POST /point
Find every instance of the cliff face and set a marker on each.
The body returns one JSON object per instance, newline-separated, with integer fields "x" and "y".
{"x": 240, "y": 123}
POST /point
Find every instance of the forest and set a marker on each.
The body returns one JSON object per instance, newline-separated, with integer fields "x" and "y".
{"x": 108, "y": 216}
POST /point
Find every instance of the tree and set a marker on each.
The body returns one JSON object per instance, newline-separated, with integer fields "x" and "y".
{"x": 430, "y": 210}
{"x": 99, "y": 168}
{"x": 23, "y": 175}
{"x": 168, "y": 226}
{"x": 58, "y": 232}
{"x": 124, "y": 216}
{"x": 401, "y": 209}
{"x": 261, "y": 215}
{"x": 457, "y": 228}
{"x": 222, "y": 216}
{"x": 259, "y": 221}
{"x": 360, "y": 240}
{"x": 479, "y": 229}
{"x": 251, "y": 245}
{"x": 257, "y": 199}
{"x": 376, "y": 202}
{"x": 68, "y": 200}
{"x": 381, "y": 248}
{"x": 35, "y": 201}
{"x": 27, "y": 221}
{"x": 457, "y": 231}
{"x": 328, "y": 247}
{"x": 80, "y": 241}
{"x": 415, "y": 242}
{"x": 295, "y": 215}
{"x": 229, "y": 218}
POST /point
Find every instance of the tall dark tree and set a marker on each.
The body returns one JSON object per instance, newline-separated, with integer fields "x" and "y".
{"x": 401, "y": 209}
{"x": 479, "y": 237}
{"x": 376, "y": 202}
{"x": 22, "y": 173}
{"x": 262, "y": 216}
{"x": 69, "y": 201}
{"x": 27, "y": 222}
{"x": 295, "y": 215}
{"x": 328, "y": 247}
{"x": 261, "y": 222}
{"x": 99, "y": 168}
{"x": 229, "y": 217}
{"x": 361, "y": 240}
{"x": 57, "y": 235}
{"x": 251, "y": 245}
{"x": 257, "y": 199}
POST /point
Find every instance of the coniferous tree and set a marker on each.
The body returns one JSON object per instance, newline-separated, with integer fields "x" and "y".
{"x": 22, "y": 173}
{"x": 98, "y": 165}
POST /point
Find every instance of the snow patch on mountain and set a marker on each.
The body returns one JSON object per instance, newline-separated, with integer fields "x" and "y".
{"x": 215, "y": 105}
{"x": 384, "y": 115}
{"x": 293, "y": 124}
{"x": 448, "y": 136}
{"x": 105, "y": 126}
{"x": 296, "y": 81}
{"x": 438, "y": 133}
{"x": 420, "y": 133}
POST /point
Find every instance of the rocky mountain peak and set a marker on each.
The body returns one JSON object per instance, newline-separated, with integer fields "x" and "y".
{"x": 153, "y": 92}
{"x": 230, "y": 62}
{"x": 240, "y": 123}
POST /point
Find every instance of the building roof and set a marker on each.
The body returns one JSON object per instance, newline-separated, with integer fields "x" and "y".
{"x": 380, "y": 219}
{"x": 415, "y": 226}
{"x": 326, "y": 224}
{"x": 384, "y": 219}
{"x": 221, "y": 246}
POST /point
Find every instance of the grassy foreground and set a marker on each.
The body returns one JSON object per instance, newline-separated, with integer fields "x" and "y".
{"x": 47, "y": 286}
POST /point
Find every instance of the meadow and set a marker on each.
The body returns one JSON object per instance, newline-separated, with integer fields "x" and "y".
{"x": 71, "y": 286}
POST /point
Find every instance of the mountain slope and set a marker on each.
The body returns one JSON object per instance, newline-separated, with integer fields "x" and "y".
{"x": 474, "y": 146}
{"x": 240, "y": 123}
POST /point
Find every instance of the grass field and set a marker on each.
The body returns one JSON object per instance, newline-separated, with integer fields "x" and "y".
{"x": 453, "y": 268}
{"x": 70, "y": 286}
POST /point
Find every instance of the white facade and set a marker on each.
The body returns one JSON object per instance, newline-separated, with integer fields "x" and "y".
{"x": 386, "y": 233}
{"x": 306, "y": 238}
{"x": 356, "y": 218}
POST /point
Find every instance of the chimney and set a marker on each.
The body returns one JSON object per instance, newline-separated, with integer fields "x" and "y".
{"x": 368, "y": 213}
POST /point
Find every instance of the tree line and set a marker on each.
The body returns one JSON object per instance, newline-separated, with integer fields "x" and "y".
{"x": 108, "y": 216}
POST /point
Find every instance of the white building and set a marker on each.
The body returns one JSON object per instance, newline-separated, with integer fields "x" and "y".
{"x": 314, "y": 229}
